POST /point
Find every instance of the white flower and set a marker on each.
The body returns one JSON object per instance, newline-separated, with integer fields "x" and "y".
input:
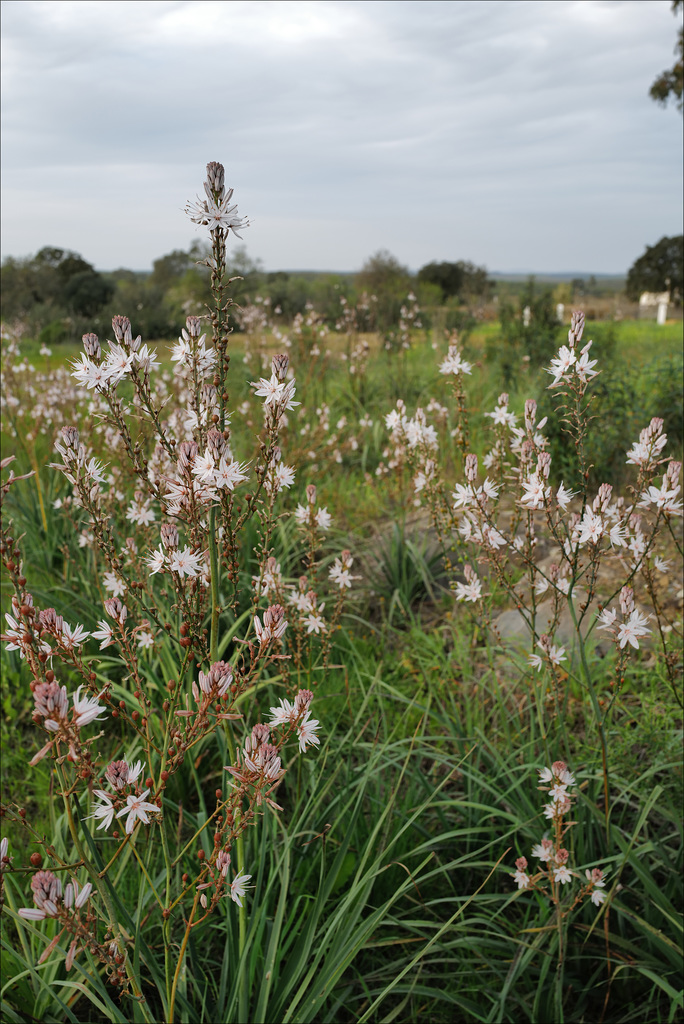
{"x": 118, "y": 363}
{"x": 134, "y": 771}
{"x": 492, "y": 538}
{"x": 203, "y": 468}
{"x": 535, "y": 492}
{"x": 217, "y": 215}
{"x": 238, "y": 887}
{"x": 564, "y": 496}
{"x": 323, "y": 518}
{"x": 471, "y": 591}
{"x": 535, "y": 661}
{"x": 137, "y": 807}
{"x": 145, "y": 639}
{"x": 591, "y": 528}
{"x": 598, "y": 896}
{"x": 314, "y": 624}
{"x": 306, "y": 731}
{"x": 283, "y": 714}
{"x": 632, "y": 629}
{"x": 490, "y": 489}
{"x": 87, "y": 709}
{"x": 156, "y": 561}
{"x": 556, "y": 655}
{"x": 147, "y": 359}
{"x": 607, "y": 619}
{"x": 522, "y": 878}
{"x": 185, "y": 563}
{"x": 105, "y": 810}
{"x": 561, "y": 364}
{"x": 228, "y": 474}
{"x": 73, "y": 637}
{"x": 662, "y": 565}
{"x": 584, "y": 367}
{"x": 271, "y": 390}
{"x": 89, "y": 374}
{"x": 105, "y": 633}
{"x": 142, "y": 515}
{"x": 113, "y": 583}
{"x": 463, "y": 496}
{"x": 562, "y": 874}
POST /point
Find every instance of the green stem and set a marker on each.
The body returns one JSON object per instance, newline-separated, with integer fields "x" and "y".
{"x": 215, "y": 608}
{"x": 181, "y": 958}
{"x": 166, "y": 923}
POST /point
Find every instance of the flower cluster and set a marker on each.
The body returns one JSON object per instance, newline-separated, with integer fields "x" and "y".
{"x": 554, "y": 870}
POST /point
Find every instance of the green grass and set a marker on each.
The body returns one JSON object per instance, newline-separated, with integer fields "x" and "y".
{"x": 383, "y": 890}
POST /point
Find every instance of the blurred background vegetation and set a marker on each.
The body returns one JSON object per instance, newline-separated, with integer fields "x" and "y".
{"x": 57, "y": 295}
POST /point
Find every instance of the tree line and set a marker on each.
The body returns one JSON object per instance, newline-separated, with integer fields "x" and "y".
{"x": 57, "y": 295}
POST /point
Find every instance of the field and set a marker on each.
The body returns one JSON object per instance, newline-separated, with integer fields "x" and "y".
{"x": 398, "y": 651}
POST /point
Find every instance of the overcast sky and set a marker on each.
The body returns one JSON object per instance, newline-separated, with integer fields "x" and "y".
{"x": 519, "y": 135}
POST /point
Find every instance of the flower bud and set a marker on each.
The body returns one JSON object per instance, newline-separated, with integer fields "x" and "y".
{"x": 91, "y": 345}
{"x": 121, "y": 326}
{"x": 279, "y": 365}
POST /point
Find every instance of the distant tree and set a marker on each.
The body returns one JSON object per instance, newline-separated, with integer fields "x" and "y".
{"x": 383, "y": 275}
{"x": 660, "y": 269}
{"x": 87, "y": 292}
{"x": 461, "y": 279}
{"x": 670, "y": 82}
{"x": 447, "y": 276}
{"x": 170, "y": 268}
{"x": 53, "y": 283}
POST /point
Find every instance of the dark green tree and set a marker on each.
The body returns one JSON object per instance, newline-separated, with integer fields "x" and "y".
{"x": 461, "y": 280}
{"x": 383, "y": 275}
{"x": 660, "y": 269}
{"x": 87, "y": 292}
{"x": 670, "y": 82}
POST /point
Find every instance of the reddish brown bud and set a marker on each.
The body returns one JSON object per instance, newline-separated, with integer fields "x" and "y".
{"x": 185, "y": 641}
{"x": 184, "y": 629}
{"x": 149, "y": 782}
{"x": 22, "y": 812}
{"x": 201, "y": 855}
{"x": 164, "y": 776}
{"x": 22, "y": 581}
{"x": 50, "y": 676}
{"x": 36, "y": 859}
